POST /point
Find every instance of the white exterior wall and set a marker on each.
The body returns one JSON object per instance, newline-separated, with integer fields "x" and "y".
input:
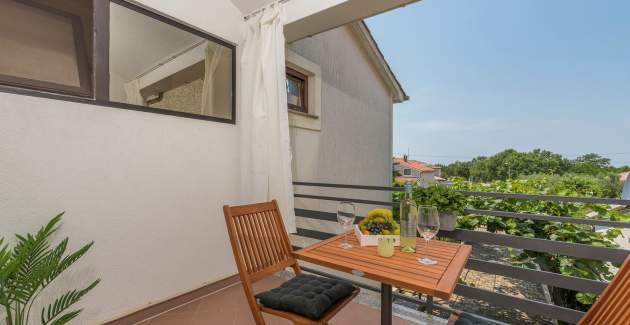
{"x": 354, "y": 145}
{"x": 147, "y": 188}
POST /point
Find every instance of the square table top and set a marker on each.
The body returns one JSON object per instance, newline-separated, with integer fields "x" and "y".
{"x": 401, "y": 270}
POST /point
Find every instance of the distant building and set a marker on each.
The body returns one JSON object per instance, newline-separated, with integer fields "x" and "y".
{"x": 416, "y": 171}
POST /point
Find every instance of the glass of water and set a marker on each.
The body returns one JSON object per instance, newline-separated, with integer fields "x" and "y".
{"x": 428, "y": 227}
{"x": 346, "y": 213}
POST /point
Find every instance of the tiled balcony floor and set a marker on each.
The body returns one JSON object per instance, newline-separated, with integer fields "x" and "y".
{"x": 229, "y": 306}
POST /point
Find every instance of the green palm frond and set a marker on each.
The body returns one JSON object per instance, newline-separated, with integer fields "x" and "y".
{"x": 67, "y": 317}
{"x": 29, "y": 267}
{"x": 65, "y": 262}
{"x": 50, "y": 314}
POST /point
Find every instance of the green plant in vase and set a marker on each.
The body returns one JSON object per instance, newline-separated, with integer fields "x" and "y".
{"x": 29, "y": 268}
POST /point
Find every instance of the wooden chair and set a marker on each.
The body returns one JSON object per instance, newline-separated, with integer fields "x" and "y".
{"x": 261, "y": 247}
{"x": 612, "y": 307}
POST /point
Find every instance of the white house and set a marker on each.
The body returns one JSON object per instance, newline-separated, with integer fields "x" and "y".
{"x": 140, "y": 119}
{"x": 408, "y": 170}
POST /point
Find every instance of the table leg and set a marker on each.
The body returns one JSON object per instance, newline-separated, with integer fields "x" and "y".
{"x": 386, "y": 304}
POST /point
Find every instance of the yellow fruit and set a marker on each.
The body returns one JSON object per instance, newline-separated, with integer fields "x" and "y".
{"x": 386, "y": 214}
{"x": 397, "y": 231}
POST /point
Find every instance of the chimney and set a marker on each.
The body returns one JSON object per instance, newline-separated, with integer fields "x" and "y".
{"x": 405, "y": 157}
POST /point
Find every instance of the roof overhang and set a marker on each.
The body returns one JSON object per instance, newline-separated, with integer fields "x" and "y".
{"x": 306, "y": 18}
{"x": 310, "y": 17}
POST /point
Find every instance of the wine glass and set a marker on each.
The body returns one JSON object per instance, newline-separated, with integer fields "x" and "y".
{"x": 346, "y": 213}
{"x": 428, "y": 227}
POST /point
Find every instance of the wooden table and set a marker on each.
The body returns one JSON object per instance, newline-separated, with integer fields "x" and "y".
{"x": 401, "y": 270}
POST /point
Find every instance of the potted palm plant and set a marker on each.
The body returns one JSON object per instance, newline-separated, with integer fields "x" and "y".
{"x": 449, "y": 203}
{"x": 30, "y": 267}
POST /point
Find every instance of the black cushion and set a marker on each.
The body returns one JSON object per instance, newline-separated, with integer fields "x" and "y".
{"x": 307, "y": 295}
{"x": 471, "y": 319}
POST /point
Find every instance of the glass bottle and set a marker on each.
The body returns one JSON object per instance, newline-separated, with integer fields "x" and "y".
{"x": 408, "y": 221}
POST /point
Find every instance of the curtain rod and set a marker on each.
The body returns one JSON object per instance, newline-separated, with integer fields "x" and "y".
{"x": 259, "y": 10}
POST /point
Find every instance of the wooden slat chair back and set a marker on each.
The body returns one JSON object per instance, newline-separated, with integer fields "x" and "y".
{"x": 613, "y": 306}
{"x": 261, "y": 247}
{"x": 259, "y": 240}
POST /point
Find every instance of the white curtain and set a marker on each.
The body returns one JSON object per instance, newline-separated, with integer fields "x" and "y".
{"x": 264, "y": 121}
{"x": 214, "y": 53}
{"x": 132, "y": 89}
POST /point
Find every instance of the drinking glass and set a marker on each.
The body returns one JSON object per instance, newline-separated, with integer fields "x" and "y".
{"x": 346, "y": 213}
{"x": 428, "y": 227}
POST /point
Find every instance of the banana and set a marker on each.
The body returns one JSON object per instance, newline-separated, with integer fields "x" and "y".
{"x": 380, "y": 212}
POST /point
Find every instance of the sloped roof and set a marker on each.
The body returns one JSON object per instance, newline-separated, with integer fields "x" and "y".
{"x": 415, "y": 164}
{"x": 384, "y": 69}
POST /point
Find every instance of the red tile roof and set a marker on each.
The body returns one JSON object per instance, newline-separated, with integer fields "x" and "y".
{"x": 415, "y": 164}
{"x": 624, "y": 176}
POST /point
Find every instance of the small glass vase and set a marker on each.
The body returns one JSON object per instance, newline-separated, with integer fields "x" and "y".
{"x": 385, "y": 246}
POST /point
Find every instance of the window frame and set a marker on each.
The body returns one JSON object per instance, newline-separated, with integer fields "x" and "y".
{"x": 405, "y": 172}
{"x": 85, "y": 72}
{"x": 294, "y": 74}
{"x": 99, "y": 81}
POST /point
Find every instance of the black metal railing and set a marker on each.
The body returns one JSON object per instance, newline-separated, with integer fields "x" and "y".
{"x": 552, "y": 311}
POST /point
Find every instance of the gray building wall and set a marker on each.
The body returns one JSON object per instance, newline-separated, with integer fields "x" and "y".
{"x": 354, "y": 145}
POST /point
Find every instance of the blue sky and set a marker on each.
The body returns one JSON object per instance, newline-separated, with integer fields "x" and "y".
{"x": 486, "y": 75}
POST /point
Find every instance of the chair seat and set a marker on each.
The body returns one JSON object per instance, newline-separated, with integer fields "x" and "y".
{"x": 307, "y": 295}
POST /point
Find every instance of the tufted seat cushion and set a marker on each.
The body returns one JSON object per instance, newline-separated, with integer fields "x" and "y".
{"x": 307, "y": 295}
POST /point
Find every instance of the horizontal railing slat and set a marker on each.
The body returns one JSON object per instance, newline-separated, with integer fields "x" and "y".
{"x": 320, "y": 215}
{"x": 614, "y": 255}
{"x": 337, "y": 198}
{"x": 535, "y": 197}
{"x": 526, "y": 305}
{"x": 555, "y": 198}
{"x": 357, "y": 187}
{"x": 314, "y": 234}
{"x": 536, "y": 276}
{"x": 606, "y": 223}
{"x": 533, "y": 216}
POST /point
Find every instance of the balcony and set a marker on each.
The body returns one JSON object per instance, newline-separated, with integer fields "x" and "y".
{"x": 507, "y": 302}
{"x": 499, "y": 302}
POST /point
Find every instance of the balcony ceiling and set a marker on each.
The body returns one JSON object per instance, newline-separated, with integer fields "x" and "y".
{"x": 309, "y": 17}
{"x": 247, "y": 6}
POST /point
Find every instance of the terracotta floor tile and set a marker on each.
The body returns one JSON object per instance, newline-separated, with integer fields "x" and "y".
{"x": 230, "y": 307}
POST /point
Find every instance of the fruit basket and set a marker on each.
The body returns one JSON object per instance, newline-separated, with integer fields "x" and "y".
{"x": 377, "y": 222}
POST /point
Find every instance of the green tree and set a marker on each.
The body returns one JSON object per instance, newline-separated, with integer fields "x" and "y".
{"x": 592, "y": 164}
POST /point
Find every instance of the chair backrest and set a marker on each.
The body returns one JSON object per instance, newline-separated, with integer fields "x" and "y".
{"x": 613, "y": 306}
{"x": 260, "y": 243}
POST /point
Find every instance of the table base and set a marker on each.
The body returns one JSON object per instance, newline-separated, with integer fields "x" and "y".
{"x": 386, "y": 304}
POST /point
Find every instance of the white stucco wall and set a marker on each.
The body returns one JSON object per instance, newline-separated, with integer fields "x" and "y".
{"x": 147, "y": 188}
{"x": 354, "y": 145}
